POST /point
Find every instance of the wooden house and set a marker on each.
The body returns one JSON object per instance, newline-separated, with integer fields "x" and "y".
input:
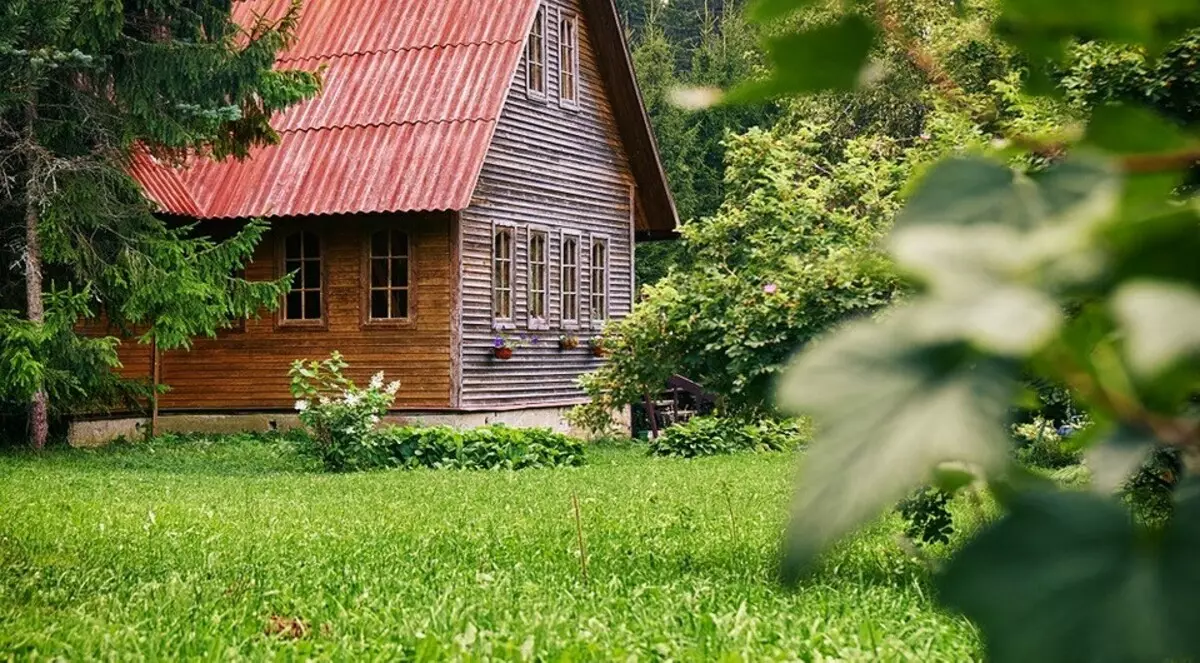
{"x": 471, "y": 168}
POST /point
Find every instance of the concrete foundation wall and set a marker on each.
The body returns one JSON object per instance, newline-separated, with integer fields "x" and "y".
{"x": 96, "y": 433}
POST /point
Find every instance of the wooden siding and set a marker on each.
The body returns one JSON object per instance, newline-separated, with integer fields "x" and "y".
{"x": 555, "y": 168}
{"x": 247, "y": 370}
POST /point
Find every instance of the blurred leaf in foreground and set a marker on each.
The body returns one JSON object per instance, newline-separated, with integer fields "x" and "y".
{"x": 890, "y": 409}
{"x": 1162, "y": 323}
{"x": 1067, "y": 577}
{"x": 830, "y": 57}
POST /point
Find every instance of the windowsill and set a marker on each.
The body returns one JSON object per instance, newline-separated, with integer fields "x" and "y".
{"x": 302, "y": 325}
{"x": 570, "y": 325}
{"x": 398, "y": 323}
{"x": 539, "y": 324}
{"x": 504, "y": 325}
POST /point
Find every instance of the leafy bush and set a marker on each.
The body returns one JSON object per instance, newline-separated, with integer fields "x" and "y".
{"x": 1039, "y": 444}
{"x": 709, "y": 436}
{"x": 927, "y": 516}
{"x": 340, "y": 417}
{"x": 490, "y": 447}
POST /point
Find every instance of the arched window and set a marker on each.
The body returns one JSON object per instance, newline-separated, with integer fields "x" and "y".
{"x": 568, "y": 59}
{"x": 535, "y": 56}
{"x": 302, "y": 259}
{"x": 570, "y": 279}
{"x": 539, "y": 275}
{"x": 599, "y": 280}
{"x": 502, "y": 274}
{"x": 391, "y": 265}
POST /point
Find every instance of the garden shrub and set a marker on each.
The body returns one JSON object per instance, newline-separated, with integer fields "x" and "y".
{"x": 490, "y": 447}
{"x": 1039, "y": 444}
{"x": 708, "y": 436}
{"x": 340, "y": 417}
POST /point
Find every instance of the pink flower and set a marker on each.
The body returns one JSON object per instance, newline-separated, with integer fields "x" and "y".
{"x": 770, "y": 288}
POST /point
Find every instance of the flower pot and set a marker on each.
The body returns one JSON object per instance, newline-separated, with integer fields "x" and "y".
{"x": 598, "y": 352}
{"x": 568, "y": 344}
{"x": 503, "y": 354}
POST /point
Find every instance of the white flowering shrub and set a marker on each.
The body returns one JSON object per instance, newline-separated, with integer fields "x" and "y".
{"x": 341, "y": 417}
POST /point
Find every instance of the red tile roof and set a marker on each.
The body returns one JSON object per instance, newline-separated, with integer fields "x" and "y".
{"x": 413, "y": 91}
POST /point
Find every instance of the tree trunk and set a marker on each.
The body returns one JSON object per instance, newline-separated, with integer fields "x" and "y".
{"x": 39, "y": 423}
{"x": 155, "y": 379}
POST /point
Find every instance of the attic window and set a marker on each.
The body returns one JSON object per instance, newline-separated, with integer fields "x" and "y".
{"x": 568, "y": 60}
{"x": 535, "y": 56}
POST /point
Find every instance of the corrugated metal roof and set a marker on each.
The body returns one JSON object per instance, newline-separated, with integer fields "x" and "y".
{"x": 413, "y": 91}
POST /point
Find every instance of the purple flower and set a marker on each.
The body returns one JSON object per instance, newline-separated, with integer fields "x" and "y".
{"x": 498, "y": 342}
{"x": 770, "y": 288}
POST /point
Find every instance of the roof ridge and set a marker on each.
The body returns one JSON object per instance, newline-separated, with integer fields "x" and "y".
{"x": 403, "y": 49}
{"x": 379, "y": 125}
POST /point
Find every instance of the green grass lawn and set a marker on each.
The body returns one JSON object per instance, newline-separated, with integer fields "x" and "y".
{"x": 189, "y": 550}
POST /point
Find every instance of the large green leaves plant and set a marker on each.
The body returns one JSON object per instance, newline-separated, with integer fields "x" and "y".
{"x": 1071, "y": 260}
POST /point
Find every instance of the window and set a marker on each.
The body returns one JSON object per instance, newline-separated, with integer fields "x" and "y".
{"x": 535, "y": 56}
{"x": 302, "y": 259}
{"x": 599, "y": 280}
{"x": 570, "y": 279}
{"x": 390, "y": 262}
{"x": 502, "y": 274}
{"x": 539, "y": 276}
{"x": 568, "y": 60}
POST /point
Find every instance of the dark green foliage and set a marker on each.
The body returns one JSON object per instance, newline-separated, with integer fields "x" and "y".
{"x": 711, "y": 436}
{"x": 443, "y": 447}
{"x": 1150, "y": 493}
{"x": 1067, "y": 576}
{"x": 927, "y": 516}
{"x": 82, "y": 85}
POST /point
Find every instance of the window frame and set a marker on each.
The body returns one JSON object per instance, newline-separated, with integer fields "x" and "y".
{"x": 606, "y": 275}
{"x": 576, "y": 322}
{"x": 530, "y": 91}
{"x": 366, "y": 288}
{"x": 572, "y": 19}
{"x": 281, "y": 319}
{"x": 499, "y": 322}
{"x": 535, "y": 322}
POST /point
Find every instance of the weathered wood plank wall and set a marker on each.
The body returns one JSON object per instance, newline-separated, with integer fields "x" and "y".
{"x": 247, "y": 370}
{"x": 550, "y": 168}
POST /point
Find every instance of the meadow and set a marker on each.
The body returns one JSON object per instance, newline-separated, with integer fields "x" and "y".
{"x": 236, "y": 549}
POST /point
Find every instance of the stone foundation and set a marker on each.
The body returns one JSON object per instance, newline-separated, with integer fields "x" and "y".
{"x": 97, "y": 433}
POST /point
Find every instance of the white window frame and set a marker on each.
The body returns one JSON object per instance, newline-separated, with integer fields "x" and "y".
{"x": 499, "y": 321}
{"x": 530, "y": 91}
{"x": 536, "y": 322}
{"x": 571, "y": 18}
{"x": 564, "y": 321}
{"x": 606, "y": 278}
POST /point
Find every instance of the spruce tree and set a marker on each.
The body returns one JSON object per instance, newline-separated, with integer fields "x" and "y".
{"x": 82, "y": 85}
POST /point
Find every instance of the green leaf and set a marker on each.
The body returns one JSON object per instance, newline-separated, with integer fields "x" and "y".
{"x": 1036, "y": 23}
{"x": 974, "y": 223}
{"x": 1161, "y": 322}
{"x": 890, "y": 410}
{"x": 1066, "y": 577}
{"x": 830, "y": 57}
{"x": 763, "y": 11}
{"x": 1133, "y": 130}
{"x": 1116, "y": 457}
